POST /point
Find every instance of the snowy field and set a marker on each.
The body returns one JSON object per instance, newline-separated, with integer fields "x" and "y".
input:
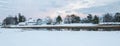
{"x": 19, "y": 37}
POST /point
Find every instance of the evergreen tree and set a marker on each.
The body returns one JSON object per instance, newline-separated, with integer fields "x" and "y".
{"x": 16, "y": 20}
{"x": 96, "y": 20}
{"x": 108, "y": 18}
{"x": 89, "y": 17}
{"x": 117, "y": 17}
{"x": 58, "y": 19}
{"x": 21, "y": 18}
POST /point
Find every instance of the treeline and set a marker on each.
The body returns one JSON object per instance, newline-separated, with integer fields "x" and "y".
{"x": 95, "y": 19}
{"x": 14, "y": 20}
{"x": 111, "y": 18}
{"x": 76, "y": 19}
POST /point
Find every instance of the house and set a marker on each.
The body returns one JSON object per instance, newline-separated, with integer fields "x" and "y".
{"x": 31, "y": 21}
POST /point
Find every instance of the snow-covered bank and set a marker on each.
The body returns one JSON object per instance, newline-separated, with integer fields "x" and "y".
{"x": 58, "y": 25}
{"x": 74, "y": 25}
{"x": 60, "y": 38}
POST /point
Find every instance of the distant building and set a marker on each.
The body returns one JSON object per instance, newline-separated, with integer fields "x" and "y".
{"x": 31, "y": 21}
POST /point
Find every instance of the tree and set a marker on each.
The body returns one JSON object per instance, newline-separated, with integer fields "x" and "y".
{"x": 72, "y": 19}
{"x": 89, "y": 17}
{"x": 58, "y": 19}
{"x": 84, "y": 20}
{"x": 75, "y": 19}
{"x": 67, "y": 19}
{"x": 16, "y": 20}
{"x": 9, "y": 21}
{"x": 21, "y": 18}
{"x": 117, "y": 17}
{"x": 107, "y": 18}
{"x": 96, "y": 20}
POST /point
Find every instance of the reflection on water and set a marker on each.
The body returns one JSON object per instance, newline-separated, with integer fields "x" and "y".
{"x": 72, "y": 29}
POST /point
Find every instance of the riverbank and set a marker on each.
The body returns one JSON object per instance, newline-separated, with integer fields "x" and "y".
{"x": 64, "y": 26}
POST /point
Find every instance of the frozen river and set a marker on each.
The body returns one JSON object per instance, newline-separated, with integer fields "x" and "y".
{"x": 59, "y": 29}
{"x": 38, "y": 37}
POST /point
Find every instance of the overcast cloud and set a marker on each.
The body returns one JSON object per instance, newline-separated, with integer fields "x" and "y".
{"x": 52, "y": 8}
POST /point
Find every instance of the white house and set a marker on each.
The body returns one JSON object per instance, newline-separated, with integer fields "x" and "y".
{"x": 31, "y": 21}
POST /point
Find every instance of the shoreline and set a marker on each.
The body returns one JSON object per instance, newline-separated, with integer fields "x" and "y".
{"x": 64, "y": 26}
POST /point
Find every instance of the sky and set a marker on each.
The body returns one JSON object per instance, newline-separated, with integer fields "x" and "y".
{"x": 53, "y": 8}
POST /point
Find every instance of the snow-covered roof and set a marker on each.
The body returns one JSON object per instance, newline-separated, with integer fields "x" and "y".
{"x": 31, "y": 20}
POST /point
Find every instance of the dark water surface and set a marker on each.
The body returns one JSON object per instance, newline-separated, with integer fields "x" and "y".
{"x": 73, "y": 29}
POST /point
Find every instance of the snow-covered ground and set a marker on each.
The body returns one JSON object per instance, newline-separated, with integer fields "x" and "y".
{"x": 18, "y": 37}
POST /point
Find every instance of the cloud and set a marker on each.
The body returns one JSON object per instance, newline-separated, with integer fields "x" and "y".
{"x": 81, "y": 5}
{"x": 38, "y": 8}
{"x": 3, "y": 2}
